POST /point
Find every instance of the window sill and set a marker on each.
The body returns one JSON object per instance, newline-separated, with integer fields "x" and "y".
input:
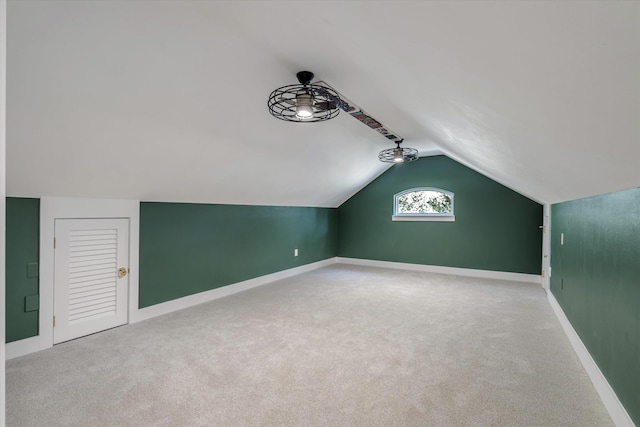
{"x": 441, "y": 218}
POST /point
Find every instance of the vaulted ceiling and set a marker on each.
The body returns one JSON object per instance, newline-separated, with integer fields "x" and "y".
{"x": 166, "y": 100}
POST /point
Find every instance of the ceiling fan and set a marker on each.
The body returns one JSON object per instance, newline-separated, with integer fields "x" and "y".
{"x": 315, "y": 102}
{"x": 304, "y": 102}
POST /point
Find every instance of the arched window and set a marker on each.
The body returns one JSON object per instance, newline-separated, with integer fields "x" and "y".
{"x": 423, "y": 204}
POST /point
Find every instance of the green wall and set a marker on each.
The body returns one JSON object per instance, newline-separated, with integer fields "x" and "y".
{"x": 22, "y": 246}
{"x": 596, "y": 280}
{"x": 495, "y": 227}
{"x": 190, "y": 248}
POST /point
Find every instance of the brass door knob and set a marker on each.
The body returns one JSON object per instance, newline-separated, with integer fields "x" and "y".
{"x": 122, "y": 272}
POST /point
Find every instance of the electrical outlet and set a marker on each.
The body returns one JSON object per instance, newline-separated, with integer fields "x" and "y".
{"x": 561, "y": 239}
{"x": 295, "y": 252}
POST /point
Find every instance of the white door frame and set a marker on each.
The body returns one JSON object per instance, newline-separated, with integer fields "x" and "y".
{"x": 57, "y": 207}
{"x": 546, "y": 247}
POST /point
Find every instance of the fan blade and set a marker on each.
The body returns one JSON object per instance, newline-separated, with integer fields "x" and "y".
{"x": 325, "y": 105}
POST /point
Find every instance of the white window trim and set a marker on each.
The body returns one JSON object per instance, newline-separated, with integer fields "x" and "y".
{"x": 419, "y": 217}
{"x": 442, "y": 217}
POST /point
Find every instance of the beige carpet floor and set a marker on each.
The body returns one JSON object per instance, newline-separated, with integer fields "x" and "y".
{"x": 338, "y": 346}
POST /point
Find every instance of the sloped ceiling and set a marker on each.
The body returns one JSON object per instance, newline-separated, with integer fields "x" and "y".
{"x": 166, "y": 100}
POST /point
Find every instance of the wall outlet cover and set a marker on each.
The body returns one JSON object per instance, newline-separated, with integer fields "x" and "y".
{"x": 31, "y": 303}
{"x": 32, "y": 269}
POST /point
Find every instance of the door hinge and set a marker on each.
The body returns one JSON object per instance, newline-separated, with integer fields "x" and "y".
{"x": 54, "y": 321}
{"x": 54, "y": 243}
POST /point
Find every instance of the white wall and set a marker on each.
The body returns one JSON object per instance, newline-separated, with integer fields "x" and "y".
{"x": 3, "y": 193}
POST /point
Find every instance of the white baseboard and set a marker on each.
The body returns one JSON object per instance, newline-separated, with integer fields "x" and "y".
{"x": 486, "y": 274}
{"x": 616, "y": 411}
{"x": 206, "y": 296}
{"x": 23, "y": 347}
{"x": 33, "y": 344}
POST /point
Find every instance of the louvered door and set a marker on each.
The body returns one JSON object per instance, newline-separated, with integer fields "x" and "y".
{"x": 90, "y": 294}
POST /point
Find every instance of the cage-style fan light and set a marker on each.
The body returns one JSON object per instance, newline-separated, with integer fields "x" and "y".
{"x": 398, "y": 154}
{"x": 304, "y": 102}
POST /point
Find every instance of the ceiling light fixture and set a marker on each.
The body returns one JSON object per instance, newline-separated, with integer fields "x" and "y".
{"x": 398, "y": 154}
{"x": 304, "y": 102}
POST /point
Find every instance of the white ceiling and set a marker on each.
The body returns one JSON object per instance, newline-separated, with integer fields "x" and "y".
{"x": 166, "y": 100}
